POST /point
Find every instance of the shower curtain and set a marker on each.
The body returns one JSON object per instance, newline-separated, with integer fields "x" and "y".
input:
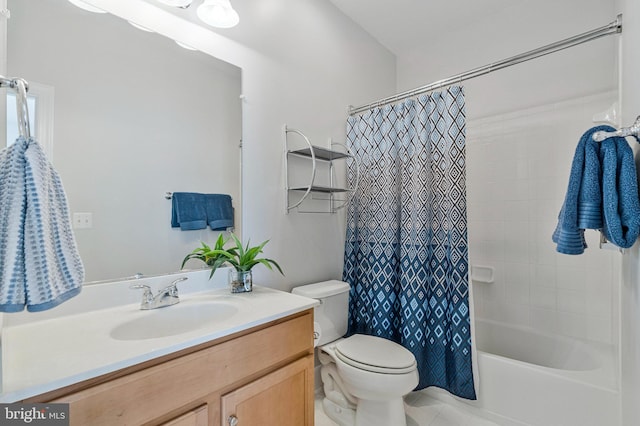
{"x": 406, "y": 255}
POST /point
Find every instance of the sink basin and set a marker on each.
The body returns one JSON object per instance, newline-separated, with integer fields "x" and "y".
{"x": 173, "y": 320}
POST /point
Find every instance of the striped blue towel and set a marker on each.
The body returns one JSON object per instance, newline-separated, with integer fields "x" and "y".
{"x": 13, "y": 207}
{"x": 41, "y": 266}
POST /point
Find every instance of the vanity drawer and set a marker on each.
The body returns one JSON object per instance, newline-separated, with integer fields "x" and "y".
{"x": 167, "y": 390}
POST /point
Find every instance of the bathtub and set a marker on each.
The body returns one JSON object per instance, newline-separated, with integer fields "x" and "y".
{"x": 531, "y": 378}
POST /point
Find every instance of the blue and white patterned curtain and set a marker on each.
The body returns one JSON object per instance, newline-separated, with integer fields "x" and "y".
{"x": 406, "y": 255}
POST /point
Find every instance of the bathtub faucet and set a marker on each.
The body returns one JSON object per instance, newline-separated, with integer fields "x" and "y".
{"x": 166, "y": 297}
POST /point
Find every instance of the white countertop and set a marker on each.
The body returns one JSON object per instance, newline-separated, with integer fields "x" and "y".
{"x": 40, "y": 356}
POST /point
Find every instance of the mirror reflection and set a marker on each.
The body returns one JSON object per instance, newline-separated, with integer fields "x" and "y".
{"x": 127, "y": 116}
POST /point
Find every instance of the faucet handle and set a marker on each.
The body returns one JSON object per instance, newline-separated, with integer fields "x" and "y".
{"x": 172, "y": 288}
{"x": 177, "y": 280}
{"x": 148, "y": 294}
{"x": 137, "y": 286}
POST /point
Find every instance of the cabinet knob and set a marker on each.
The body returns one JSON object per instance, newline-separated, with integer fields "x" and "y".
{"x": 233, "y": 421}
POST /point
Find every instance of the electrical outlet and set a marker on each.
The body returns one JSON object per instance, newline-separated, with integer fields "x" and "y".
{"x": 83, "y": 220}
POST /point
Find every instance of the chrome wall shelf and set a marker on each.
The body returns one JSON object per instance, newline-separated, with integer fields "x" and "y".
{"x": 320, "y": 153}
{"x": 317, "y": 188}
{"x": 320, "y": 158}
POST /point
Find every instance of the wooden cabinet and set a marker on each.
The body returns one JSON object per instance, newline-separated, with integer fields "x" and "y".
{"x": 265, "y": 373}
{"x": 275, "y": 399}
{"x": 197, "y": 417}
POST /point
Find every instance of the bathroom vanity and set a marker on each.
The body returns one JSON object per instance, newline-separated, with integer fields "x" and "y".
{"x": 253, "y": 368}
{"x": 244, "y": 376}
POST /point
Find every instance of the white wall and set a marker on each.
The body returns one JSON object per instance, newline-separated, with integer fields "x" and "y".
{"x": 3, "y": 62}
{"x": 630, "y": 292}
{"x": 303, "y": 65}
{"x": 585, "y": 69}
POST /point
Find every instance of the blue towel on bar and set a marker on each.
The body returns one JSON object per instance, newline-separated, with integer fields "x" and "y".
{"x": 40, "y": 266}
{"x": 192, "y": 210}
{"x": 602, "y": 184}
{"x": 583, "y": 202}
{"x": 188, "y": 211}
{"x": 620, "y": 193}
{"x": 219, "y": 211}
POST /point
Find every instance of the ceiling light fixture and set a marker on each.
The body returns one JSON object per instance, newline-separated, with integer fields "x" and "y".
{"x": 177, "y": 3}
{"x": 218, "y": 13}
{"x": 86, "y": 6}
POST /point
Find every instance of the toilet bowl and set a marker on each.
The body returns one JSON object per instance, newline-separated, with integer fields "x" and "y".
{"x": 377, "y": 372}
{"x": 364, "y": 377}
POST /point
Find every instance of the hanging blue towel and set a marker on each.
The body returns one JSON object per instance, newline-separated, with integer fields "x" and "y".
{"x": 192, "y": 210}
{"x": 620, "y": 193}
{"x": 219, "y": 211}
{"x": 188, "y": 211}
{"x": 13, "y": 207}
{"x": 602, "y": 184}
{"x": 582, "y": 208}
{"x": 40, "y": 266}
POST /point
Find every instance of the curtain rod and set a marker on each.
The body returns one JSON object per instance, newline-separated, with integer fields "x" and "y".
{"x": 614, "y": 27}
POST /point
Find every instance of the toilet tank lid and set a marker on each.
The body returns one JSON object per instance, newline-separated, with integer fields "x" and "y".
{"x": 322, "y": 289}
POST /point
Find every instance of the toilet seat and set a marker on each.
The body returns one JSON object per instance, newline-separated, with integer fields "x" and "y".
{"x": 375, "y": 354}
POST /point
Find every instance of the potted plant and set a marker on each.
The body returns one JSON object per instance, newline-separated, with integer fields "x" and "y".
{"x": 242, "y": 258}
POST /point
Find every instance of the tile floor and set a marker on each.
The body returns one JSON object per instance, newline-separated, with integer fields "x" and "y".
{"x": 422, "y": 410}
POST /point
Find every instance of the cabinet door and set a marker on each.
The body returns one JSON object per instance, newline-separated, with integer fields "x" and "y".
{"x": 281, "y": 398}
{"x": 197, "y": 417}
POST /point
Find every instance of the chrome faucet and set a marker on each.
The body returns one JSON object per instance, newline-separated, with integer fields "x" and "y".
{"x": 166, "y": 297}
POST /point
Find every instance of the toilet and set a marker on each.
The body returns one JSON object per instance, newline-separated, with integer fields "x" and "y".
{"x": 364, "y": 377}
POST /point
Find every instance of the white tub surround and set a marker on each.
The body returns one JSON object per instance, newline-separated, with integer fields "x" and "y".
{"x": 60, "y": 348}
{"x": 538, "y": 379}
{"x": 546, "y": 350}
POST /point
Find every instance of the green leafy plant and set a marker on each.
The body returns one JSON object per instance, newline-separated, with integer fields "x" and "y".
{"x": 241, "y": 257}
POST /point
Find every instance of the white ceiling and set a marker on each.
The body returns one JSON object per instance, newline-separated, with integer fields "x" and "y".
{"x": 403, "y": 25}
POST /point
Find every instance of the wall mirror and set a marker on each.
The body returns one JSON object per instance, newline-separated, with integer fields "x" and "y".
{"x": 127, "y": 116}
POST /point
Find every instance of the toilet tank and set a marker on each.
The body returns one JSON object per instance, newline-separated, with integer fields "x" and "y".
{"x": 331, "y": 315}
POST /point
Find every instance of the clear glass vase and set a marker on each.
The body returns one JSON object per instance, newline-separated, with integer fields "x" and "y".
{"x": 240, "y": 281}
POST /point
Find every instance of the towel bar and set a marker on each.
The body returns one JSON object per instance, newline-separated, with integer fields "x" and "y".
{"x": 168, "y": 195}
{"x": 633, "y": 130}
{"x": 21, "y": 87}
